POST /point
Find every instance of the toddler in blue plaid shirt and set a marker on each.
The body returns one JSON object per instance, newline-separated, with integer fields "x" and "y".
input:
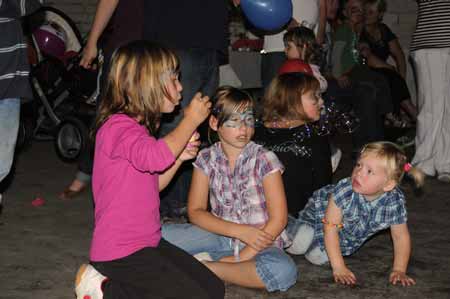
{"x": 339, "y": 218}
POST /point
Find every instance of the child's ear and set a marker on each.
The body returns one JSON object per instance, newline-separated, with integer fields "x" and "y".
{"x": 389, "y": 185}
{"x": 213, "y": 122}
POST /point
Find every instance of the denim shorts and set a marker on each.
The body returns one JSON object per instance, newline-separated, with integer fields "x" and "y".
{"x": 275, "y": 268}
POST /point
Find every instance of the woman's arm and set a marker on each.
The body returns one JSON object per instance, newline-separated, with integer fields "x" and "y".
{"x": 322, "y": 22}
{"x": 333, "y": 217}
{"x": 399, "y": 56}
{"x": 372, "y": 59}
{"x": 105, "y": 9}
{"x": 402, "y": 251}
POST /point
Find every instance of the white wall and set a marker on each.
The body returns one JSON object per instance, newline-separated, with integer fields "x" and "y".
{"x": 401, "y": 18}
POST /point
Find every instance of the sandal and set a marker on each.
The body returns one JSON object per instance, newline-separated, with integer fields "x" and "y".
{"x": 396, "y": 122}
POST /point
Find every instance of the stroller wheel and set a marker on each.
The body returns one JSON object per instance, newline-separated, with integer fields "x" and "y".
{"x": 25, "y": 133}
{"x": 71, "y": 139}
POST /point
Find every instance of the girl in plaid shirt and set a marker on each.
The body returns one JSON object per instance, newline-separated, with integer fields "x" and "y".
{"x": 241, "y": 238}
{"x": 339, "y": 218}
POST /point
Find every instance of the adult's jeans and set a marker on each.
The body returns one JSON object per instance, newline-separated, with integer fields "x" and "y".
{"x": 9, "y": 126}
{"x": 199, "y": 72}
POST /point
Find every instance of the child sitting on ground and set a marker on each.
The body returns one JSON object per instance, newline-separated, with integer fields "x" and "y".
{"x": 339, "y": 218}
{"x": 243, "y": 233}
{"x": 300, "y": 43}
{"x": 128, "y": 257}
{"x": 291, "y": 104}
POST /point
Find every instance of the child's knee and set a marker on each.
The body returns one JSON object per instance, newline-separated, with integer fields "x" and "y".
{"x": 301, "y": 240}
{"x": 276, "y": 269}
{"x": 317, "y": 256}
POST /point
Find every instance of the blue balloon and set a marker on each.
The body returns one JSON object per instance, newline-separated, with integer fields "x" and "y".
{"x": 267, "y": 14}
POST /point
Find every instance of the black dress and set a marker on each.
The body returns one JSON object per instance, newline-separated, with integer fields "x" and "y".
{"x": 306, "y": 158}
{"x": 380, "y": 48}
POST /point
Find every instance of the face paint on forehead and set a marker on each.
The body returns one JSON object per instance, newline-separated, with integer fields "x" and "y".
{"x": 237, "y": 119}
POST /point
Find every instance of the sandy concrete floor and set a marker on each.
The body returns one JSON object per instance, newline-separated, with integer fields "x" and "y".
{"x": 41, "y": 247}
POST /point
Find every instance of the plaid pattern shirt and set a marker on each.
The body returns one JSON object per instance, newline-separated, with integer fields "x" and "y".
{"x": 238, "y": 195}
{"x": 361, "y": 218}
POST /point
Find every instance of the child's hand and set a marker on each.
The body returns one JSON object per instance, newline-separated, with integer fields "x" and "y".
{"x": 255, "y": 237}
{"x": 199, "y": 108}
{"x": 401, "y": 277}
{"x": 191, "y": 149}
{"x": 344, "y": 276}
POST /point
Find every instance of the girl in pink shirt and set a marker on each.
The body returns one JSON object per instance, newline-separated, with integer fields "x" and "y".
{"x": 128, "y": 257}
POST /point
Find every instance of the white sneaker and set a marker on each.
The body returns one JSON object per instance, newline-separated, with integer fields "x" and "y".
{"x": 444, "y": 177}
{"x": 302, "y": 240}
{"x": 203, "y": 256}
{"x": 336, "y": 159}
{"x": 88, "y": 283}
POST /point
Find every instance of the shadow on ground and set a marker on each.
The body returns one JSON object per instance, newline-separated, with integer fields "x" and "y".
{"x": 41, "y": 247}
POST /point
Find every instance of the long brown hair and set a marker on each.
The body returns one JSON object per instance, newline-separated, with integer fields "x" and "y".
{"x": 304, "y": 37}
{"x": 282, "y": 100}
{"x": 136, "y": 83}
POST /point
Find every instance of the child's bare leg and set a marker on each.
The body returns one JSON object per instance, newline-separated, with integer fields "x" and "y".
{"x": 243, "y": 273}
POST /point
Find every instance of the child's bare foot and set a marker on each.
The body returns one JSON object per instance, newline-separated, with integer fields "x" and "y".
{"x": 73, "y": 190}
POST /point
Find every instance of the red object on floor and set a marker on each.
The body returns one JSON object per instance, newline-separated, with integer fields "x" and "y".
{"x": 37, "y": 202}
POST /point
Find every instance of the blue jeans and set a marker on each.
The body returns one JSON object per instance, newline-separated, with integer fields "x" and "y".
{"x": 302, "y": 236}
{"x": 199, "y": 72}
{"x": 9, "y": 126}
{"x": 275, "y": 268}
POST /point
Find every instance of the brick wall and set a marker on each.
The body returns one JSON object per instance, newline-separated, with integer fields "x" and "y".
{"x": 80, "y": 11}
{"x": 400, "y": 17}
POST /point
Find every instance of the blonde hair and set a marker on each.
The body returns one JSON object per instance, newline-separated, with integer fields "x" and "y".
{"x": 395, "y": 161}
{"x": 226, "y": 101}
{"x": 136, "y": 83}
{"x": 282, "y": 100}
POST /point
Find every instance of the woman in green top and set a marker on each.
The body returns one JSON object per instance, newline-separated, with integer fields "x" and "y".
{"x": 353, "y": 84}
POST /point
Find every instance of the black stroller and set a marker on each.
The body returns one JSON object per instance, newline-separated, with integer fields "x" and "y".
{"x": 65, "y": 93}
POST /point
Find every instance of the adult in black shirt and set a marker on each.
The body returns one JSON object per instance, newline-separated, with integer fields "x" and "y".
{"x": 198, "y": 32}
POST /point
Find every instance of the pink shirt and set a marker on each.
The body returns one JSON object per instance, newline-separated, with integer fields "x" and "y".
{"x": 125, "y": 188}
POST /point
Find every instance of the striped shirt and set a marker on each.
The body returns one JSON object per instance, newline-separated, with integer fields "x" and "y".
{"x": 433, "y": 25}
{"x": 361, "y": 218}
{"x": 14, "y": 67}
{"x": 238, "y": 195}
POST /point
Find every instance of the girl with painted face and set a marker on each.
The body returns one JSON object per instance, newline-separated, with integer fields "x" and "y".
{"x": 241, "y": 237}
{"x": 291, "y": 105}
{"x": 339, "y": 218}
